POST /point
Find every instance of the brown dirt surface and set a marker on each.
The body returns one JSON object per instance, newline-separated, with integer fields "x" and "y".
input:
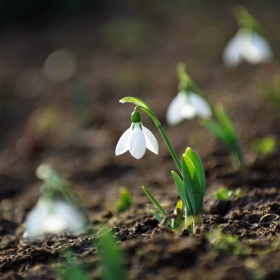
{"x": 136, "y": 55}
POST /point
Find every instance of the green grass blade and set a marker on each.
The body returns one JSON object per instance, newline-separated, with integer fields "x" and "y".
{"x": 154, "y": 201}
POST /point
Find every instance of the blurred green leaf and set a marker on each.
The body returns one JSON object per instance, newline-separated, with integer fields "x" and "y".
{"x": 225, "y": 194}
{"x": 265, "y": 145}
{"x": 111, "y": 258}
{"x": 125, "y": 200}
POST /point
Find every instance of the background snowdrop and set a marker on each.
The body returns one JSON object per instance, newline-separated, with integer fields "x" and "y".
{"x": 53, "y": 216}
{"x": 187, "y": 106}
{"x": 58, "y": 208}
{"x": 249, "y": 46}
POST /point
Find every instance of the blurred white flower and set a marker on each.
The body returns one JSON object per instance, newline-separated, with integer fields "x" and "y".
{"x": 185, "y": 106}
{"x": 53, "y": 216}
{"x": 136, "y": 139}
{"x": 248, "y": 46}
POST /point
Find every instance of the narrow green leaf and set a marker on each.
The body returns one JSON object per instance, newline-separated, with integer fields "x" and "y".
{"x": 198, "y": 168}
{"x": 111, "y": 258}
{"x": 182, "y": 192}
{"x": 192, "y": 184}
{"x": 155, "y": 214}
{"x": 216, "y": 130}
{"x": 154, "y": 201}
{"x": 225, "y": 120}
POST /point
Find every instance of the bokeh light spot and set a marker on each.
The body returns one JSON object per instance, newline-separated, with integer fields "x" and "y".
{"x": 60, "y": 65}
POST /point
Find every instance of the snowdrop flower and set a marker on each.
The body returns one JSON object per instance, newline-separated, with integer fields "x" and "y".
{"x": 187, "y": 106}
{"x": 53, "y": 216}
{"x": 249, "y": 46}
{"x": 58, "y": 208}
{"x": 136, "y": 139}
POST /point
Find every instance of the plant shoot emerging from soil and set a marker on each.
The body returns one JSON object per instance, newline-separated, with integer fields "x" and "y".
{"x": 125, "y": 200}
{"x": 191, "y": 184}
{"x": 225, "y": 194}
{"x": 264, "y": 146}
{"x": 58, "y": 208}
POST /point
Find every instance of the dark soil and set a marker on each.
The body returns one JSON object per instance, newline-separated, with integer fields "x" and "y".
{"x": 82, "y": 147}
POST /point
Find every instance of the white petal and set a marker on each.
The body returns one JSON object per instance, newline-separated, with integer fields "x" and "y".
{"x": 174, "y": 112}
{"x": 258, "y": 50}
{"x": 202, "y": 108}
{"x": 123, "y": 144}
{"x": 137, "y": 142}
{"x": 188, "y": 111}
{"x": 54, "y": 218}
{"x": 72, "y": 218}
{"x": 151, "y": 141}
{"x": 232, "y": 55}
{"x": 34, "y": 220}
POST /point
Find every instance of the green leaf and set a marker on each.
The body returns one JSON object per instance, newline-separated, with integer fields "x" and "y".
{"x": 265, "y": 145}
{"x": 155, "y": 214}
{"x": 125, "y": 200}
{"x": 198, "y": 168}
{"x": 72, "y": 271}
{"x": 192, "y": 184}
{"x": 182, "y": 192}
{"x": 225, "y": 121}
{"x": 216, "y": 130}
{"x": 154, "y": 201}
{"x": 111, "y": 258}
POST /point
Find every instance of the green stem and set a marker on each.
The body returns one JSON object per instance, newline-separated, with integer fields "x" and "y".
{"x": 164, "y": 136}
{"x": 170, "y": 148}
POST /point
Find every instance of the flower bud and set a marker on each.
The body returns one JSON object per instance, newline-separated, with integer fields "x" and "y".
{"x": 135, "y": 117}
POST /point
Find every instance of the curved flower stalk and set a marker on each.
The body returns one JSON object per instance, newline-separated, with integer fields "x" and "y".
{"x": 58, "y": 208}
{"x": 136, "y": 139}
{"x": 191, "y": 184}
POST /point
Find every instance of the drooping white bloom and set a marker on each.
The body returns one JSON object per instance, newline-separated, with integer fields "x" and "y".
{"x": 248, "y": 46}
{"x": 53, "y": 216}
{"x": 185, "y": 106}
{"x": 135, "y": 140}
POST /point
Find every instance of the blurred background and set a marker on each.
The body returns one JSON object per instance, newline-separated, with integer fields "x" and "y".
{"x": 64, "y": 64}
